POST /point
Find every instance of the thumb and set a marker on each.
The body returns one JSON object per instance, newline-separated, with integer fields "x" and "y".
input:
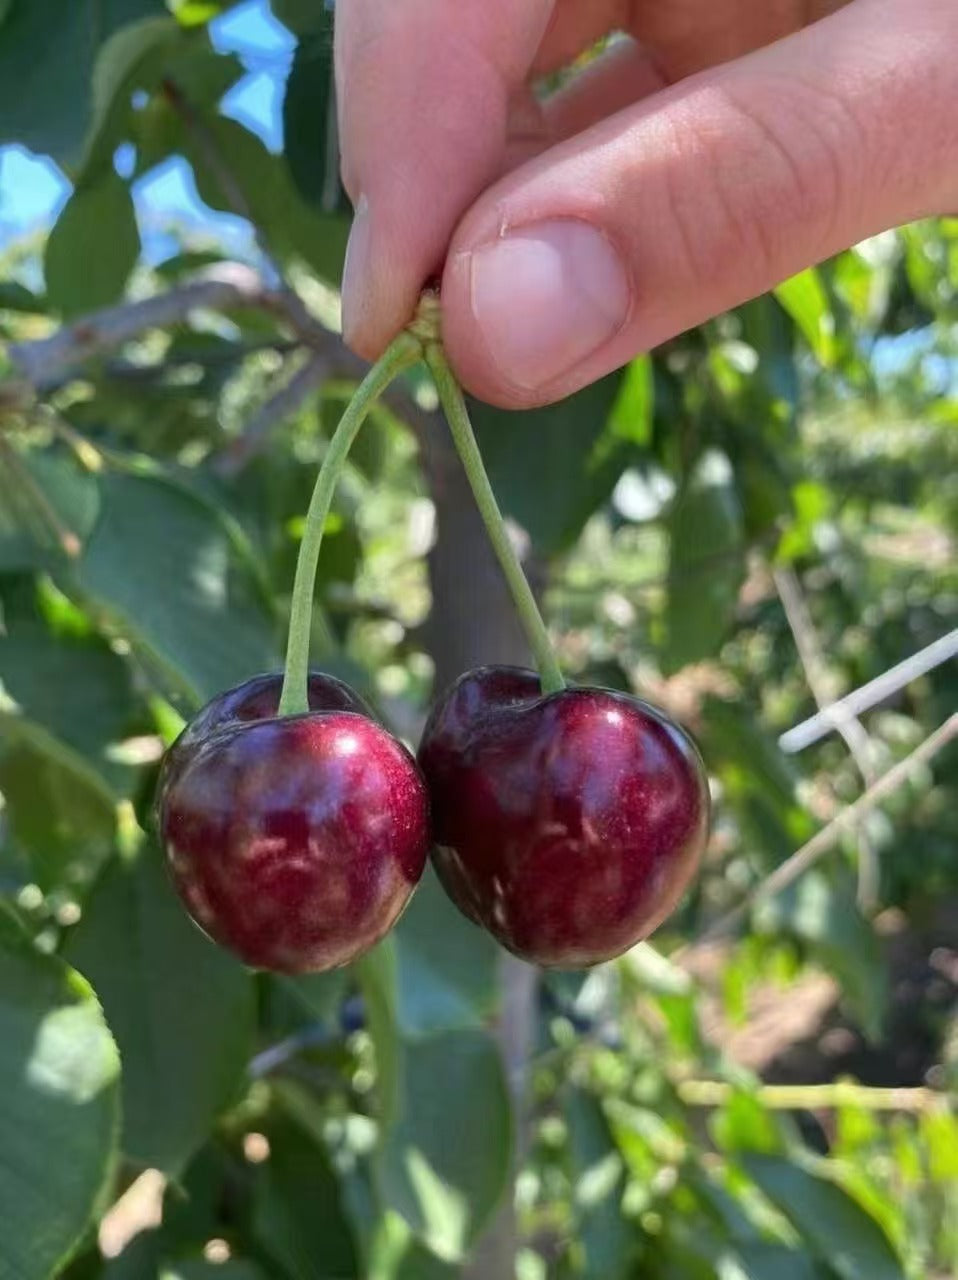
{"x": 701, "y": 197}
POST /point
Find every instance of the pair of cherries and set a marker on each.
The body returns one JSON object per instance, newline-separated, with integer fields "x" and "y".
{"x": 567, "y": 825}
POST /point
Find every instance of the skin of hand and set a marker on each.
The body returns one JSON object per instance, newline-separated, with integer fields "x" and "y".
{"x": 715, "y": 148}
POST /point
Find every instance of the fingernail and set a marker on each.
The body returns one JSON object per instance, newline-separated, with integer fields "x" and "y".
{"x": 354, "y": 268}
{"x": 545, "y": 297}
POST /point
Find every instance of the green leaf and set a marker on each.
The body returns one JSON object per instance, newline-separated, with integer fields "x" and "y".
{"x": 291, "y": 227}
{"x": 61, "y": 820}
{"x": 140, "y": 59}
{"x": 805, "y": 300}
{"x": 688, "y": 1255}
{"x": 862, "y": 286}
{"x": 632, "y": 412}
{"x": 376, "y": 973}
{"x": 181, "y": 1009}
{"x": 40, "y": 490}
{"x": 64, "y": 701}
{"x": 59, "y": 1081}
{"x": 258, "y": 173}
{"x": 446, "y": 969}
{"x": 17, "y": 297}
{"x": 140, "y": 1260}
{"x": 770, "y": 1262}
{"x": 115, "y": 76}
{"x": 396, "y": 1254}
{"x": 74, "y": 687}
{"x": 771, "y": 394}
{"x": 759, "y": 781}
{"x": 645, "y": 1139}
{"x": 151, "y": 1255}
{"x": 186, "y": 263}
{"x": 298, "y": 1214}
{"x": 303, "y": 17}
{"x": 93, "y": 247}
{"x": 198, "y": 1269}
{"x": 432, "y": 975}
{"x": 169, "y": 574}
{"x": 735, "y": 737}
{"x": 309, "y": 139}
{"x": 418, "y": 1263}
{"x": 201, "y": 76}
{"x": 608, "y": 1242}
{"x": 766, "y": 494}
{"x": 320, "y": 239}
{"x": 834, "y": 1226}
{"x": 47, "y": 54}
{"x": 192, "y": 13}
{"x": 939, "y": 1132}
{"x": 706, "y": 563}
{"x": 812, "y": 503}
{"x": 446, "y": 1162}
{"x": 825, "y": 915}
{"x": 201, "y": 73}
{"x": 319, "y": 995}
{"x": 552, "y": 468}
{"x": 744, "y": 1124}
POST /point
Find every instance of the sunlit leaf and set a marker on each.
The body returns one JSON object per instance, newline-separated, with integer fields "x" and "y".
{"x": 607, "y": 1241}
{"x": 833, "y": 1225}
{"x": 805, "y": 300}
{"x": 59, "y": 1080}
{"x": 180, "y": 1007}
{"x": 443, "y": 1165}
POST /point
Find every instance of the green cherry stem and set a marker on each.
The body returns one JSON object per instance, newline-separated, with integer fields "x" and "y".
{"x": 454, "y": 404}
{"x": 401, "y": 355}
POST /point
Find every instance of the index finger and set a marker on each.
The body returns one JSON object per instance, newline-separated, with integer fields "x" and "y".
{"x": 423, "y": 92}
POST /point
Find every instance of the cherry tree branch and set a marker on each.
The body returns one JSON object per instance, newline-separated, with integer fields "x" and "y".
{"x": 874, "y": 692}
{"x": 817, "y": 1097}
{"x": 279, "y": 408}
{"x": 45, "y": 362}
{"x": 846, "y": 724}
{"x": 231, "y": 353}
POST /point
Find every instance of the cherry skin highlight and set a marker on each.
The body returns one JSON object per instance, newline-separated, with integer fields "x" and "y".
{"x": 255, "y": 699}
{"x": 568, "y": 825}
{"x": 294, "y": 841}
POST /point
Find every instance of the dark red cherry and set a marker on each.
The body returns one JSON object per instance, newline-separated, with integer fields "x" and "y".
{"x": 256, "y": 699}
{"x": 294, "y": 841}
{"x": 568, "y": 825}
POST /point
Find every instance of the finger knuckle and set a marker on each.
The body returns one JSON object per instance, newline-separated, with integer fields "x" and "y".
{"x": 770, "y": 179}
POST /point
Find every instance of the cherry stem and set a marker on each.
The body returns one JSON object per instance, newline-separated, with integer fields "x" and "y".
{"x": 404, "y": 352}
{"x": 454, "y": 404}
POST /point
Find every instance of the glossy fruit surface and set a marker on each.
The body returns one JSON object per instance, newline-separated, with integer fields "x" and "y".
{"x": 256, "y": 699}
{"x": 294, "y": 841}
{"x": 567, "y": 825}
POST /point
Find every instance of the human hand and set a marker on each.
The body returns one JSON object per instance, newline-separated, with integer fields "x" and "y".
{"x": 720, "y": 148}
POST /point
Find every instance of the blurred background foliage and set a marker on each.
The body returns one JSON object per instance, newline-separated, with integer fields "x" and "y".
{"x": 760, "y": 516}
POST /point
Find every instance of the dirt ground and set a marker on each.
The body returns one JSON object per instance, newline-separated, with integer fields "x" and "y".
{"x": 804, "y": 1036}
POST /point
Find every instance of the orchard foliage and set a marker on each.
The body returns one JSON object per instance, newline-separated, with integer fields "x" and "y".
{"x": 153, "y": 479}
